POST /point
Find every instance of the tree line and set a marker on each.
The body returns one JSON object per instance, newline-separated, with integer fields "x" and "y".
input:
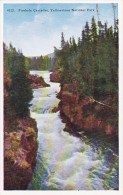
{"x": 40, "y": 63}
{"x": 17, "y": 88}
{"x": 92, "y": 62}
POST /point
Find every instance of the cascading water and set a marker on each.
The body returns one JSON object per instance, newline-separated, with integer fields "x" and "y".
{"x": 65, "y": 162}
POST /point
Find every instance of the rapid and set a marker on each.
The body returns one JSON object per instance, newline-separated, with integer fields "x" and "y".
{"x": 66, "y": 162}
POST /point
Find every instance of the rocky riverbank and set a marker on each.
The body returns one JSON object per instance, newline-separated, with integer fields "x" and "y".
{"x": 20, "y": 147}
{"x": 20, "y": 141}
{"x": 85, "y": 113}
{"x": 37, "y": 82}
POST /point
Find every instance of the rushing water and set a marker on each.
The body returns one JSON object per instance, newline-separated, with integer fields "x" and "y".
{"x": 65, "y": 162}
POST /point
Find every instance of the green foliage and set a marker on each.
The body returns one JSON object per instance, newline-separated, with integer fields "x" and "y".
{"x": 92, "y": 63}
{"x": 27, "y": 63}
{"x": 20, "y": 92}
{"x": 40, "y": 63}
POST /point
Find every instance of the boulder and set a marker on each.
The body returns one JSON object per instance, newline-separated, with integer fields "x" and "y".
{"x": 56, "y": 76}
{"x": 37, "y": 82}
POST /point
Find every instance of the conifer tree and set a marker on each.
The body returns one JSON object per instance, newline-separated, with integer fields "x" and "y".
{"x": 87, "y": 32}
{"x": 21, "y": 93}
{"x": 62, "y": 40}
{"x": 83, "y": 36}
{"x": 93, "y": 30}
{"x": 93, "y": 61}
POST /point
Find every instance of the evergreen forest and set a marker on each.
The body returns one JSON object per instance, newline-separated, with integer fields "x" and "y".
{"x": 92, "y": 62}
{"x": 17, "y": 89}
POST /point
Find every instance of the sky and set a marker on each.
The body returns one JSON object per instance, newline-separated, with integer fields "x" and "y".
{"x": 36, "y": 28}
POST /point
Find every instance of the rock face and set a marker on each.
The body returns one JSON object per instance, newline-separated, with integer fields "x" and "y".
{"x": 84, "y": 113}
{"x": 20, "y": 149}
{"x": 55, "y": 76}
{"x": 37, "y": 82}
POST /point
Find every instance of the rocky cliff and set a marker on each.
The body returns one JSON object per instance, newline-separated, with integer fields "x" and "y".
{"x": 20, "y": 147}
{"x": 86, "y": 113}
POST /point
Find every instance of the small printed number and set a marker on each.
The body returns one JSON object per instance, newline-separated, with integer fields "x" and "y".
{"x": 10, "y": 10}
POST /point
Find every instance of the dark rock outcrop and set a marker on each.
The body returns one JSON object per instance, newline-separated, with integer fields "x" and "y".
{"x": 20, "y": 148}
{"x": 85, "y": 113}
{"x": 56, "y": 76}
{"x": 37, "y": 82}
{"x": 55, "y": 109}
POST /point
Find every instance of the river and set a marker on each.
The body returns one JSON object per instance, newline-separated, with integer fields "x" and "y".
{"x": 66, "y": 162}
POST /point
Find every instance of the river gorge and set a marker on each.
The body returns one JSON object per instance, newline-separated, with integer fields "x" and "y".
{"x": 64, "y": 161}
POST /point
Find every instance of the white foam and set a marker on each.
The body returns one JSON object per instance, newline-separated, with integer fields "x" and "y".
{"x": 68, "y": 159}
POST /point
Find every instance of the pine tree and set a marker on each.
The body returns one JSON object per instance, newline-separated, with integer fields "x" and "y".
{"x": 21, "y": 93}
{"x": 83, "y": 36}
{"x": 100, "y": 29}
{"x": 93, "y": 61}
{"x": 74, "y": 46}
{"x": 93, "y": 30}
{"x": 87, "y": 32}
{"x": 79, "y": 42}
{"x": 70, "y": 41}
{"x": 62, "y": 40}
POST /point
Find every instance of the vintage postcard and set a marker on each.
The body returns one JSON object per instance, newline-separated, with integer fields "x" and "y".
{"x": 61, "y": 96}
